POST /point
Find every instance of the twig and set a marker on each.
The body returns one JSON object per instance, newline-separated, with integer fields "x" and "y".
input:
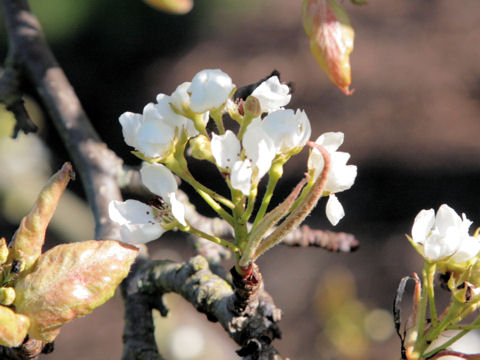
{"x": 96, "y": 164}
{"x": 254, "y": 327}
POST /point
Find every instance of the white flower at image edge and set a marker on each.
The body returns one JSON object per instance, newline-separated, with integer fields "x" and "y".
{"x": 444, "y": 235}
{"x": 340, "y": 177}
{"x": 209, "y": 90}
{"x": 272, "y": 95}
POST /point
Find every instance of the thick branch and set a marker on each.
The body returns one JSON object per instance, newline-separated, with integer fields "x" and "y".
{"x": 254, "y": 327}
{"x": 96, "y": 164}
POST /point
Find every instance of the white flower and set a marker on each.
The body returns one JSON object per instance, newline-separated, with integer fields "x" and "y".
{"x": 180, "y": 99}
{"x": 137, "y": 221}
{"x": 444, "y": 235}
{"x": 259, "y": 147}
{"x": 288, "y": 130}
{"x": 154, "y": 131}
{"x": 272, "y": 94}
{"x": 160, "y": 181}
{"x": 225, "y": 149}
{"x": 340, "y": 177}
{"x": 209, "y": 90}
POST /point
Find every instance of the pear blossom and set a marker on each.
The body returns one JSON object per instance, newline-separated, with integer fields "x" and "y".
{"x": 259, "y": 152}
{"x": 225, "y": 149}
{"x": 272, "y": 94}
{"x": 153, "y": 132}
{"x": 209, "y": 90}
{"x": 138, "y": 223}
{"x": 444, "y": 236}
{"x": 160, "y": 181}
{"x": 334, "y": 210}
{"x": 288, "y": 130}
{"x": 180, "y": 99}
{"x": 341, "y": 176}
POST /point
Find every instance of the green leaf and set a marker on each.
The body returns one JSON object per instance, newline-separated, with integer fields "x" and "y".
{"x": 70, "y": 281}
{"x": 13, "y": 327}
{"x": 30, "y": 236}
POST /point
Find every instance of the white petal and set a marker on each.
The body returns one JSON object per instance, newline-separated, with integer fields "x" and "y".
{"x": 272, "y": 94}
{"x": 178, "y": 209}
{"x": 422, "y": 225}
{"x": 173, "y": 119}
{"x": 334, "y": 210}
{"x": 158, "y": 179}
{"x": 288, "y": 130}
{"x": 130, "y": 124}
{"x": 259, "y": 148}
{"x": 446, "y": 218}
{"x": 241, "y": 176}
{"x": 439, "y": 246}
{"x": 137, "y": 224}
{"x": 180, "y": 97}
{"x": 154, "y": 139}
{"x": 225, "y": 149}
{"x": 341, "y": 176}
{"x": 209, "y": 90}
{"x": 469, "y": 248}
{"x": 331, "y": 141}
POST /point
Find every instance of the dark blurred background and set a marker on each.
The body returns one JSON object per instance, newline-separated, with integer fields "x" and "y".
{"x": 412, "y": 128}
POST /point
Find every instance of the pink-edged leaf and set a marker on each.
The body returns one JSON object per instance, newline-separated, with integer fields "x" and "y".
{"x": 30, "y": 236}
{"x": 70, "y": 281}
{"x": 178, "y": 7}
{"x": 13, "y": 327}
{"x": 331, "y": 39}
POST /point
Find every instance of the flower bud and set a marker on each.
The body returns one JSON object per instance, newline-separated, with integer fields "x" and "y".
{"x": 3, "y": 251}
{"x": 252, "y": 108}
{"x": 178, "y": 7}
{"x": 200, "y": 148}
{"x": 7, "y": 296}
{"x": 331, "y": 39}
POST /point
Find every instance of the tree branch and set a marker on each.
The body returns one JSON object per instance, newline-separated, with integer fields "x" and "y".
{"x": 96, "y": 164}
{"x": 249, "y": 320}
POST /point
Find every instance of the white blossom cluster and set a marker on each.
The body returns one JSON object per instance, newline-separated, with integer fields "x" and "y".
{"x": 444, "y": 236}
{"x": 243, "y": 158}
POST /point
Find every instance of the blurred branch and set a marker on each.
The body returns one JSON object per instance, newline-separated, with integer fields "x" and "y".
{"x": 247, "y": 313}
{"x": 96, "y": 164}
{"x": 11, "y": 96}
{"x": 329, "y": 240}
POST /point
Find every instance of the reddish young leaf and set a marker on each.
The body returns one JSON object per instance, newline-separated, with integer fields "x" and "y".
{"x": 331, "y": 39}
{"x": 13, "y": 327}
{"x": 178, "y": 7}
{"x": 70, "y": 281}
{"x": 30, "y": 236}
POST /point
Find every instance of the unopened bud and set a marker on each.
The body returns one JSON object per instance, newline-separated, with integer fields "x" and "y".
{"x": 178, "y": 7}
{"x": 331, "y": 39}
{"x": 7, "y": 296}
{"x": 200, "y": 148}
{"x": 252, "y": 107}
{"x": 3, "y": 251}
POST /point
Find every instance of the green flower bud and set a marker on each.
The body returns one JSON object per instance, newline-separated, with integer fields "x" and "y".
{"x": 7, "y": 296}
{"x": 200, "y": 148}
{"x": 252, "y": 107}
{"x": 3, "y": 251}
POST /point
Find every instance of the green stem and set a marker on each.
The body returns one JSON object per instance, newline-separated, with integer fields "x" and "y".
{"x": 274, "y": 174}
{"x": 216, "y": 115}
{"x": 420, "y": 341}
{"x": 251, "y": 202}
{"x": 212, "y": 238}
{"x": 430, "y": 274}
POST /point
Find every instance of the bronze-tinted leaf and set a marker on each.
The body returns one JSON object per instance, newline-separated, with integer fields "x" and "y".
{"x": 178, "y": 7}
{"x": 13, "y": 327}
{"x": 30, "y": 236}
{"x": 331, "y": 39}
{"x": 70, "y": 281}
